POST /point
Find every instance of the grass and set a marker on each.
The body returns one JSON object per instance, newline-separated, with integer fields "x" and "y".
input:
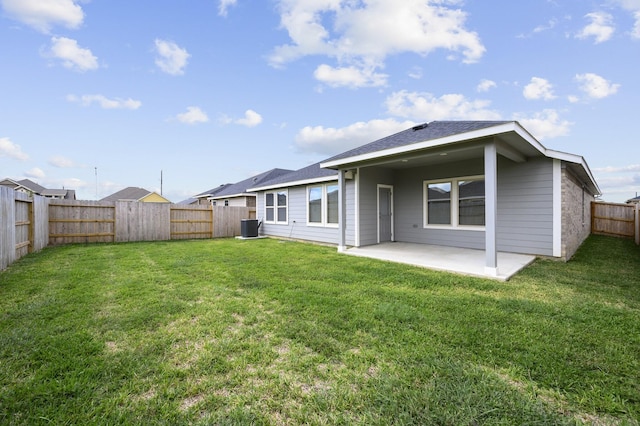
{"x": 269, "y": 332}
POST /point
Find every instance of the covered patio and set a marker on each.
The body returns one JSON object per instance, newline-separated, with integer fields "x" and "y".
{"x": 451, "y": 259}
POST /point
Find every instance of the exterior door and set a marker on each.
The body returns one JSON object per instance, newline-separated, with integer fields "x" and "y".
{"x": 385, "y": 213}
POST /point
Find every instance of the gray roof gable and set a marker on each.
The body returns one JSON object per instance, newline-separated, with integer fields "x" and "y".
{"x": 31, "y": 185}
{"x": 306, "y": 174}
{"x": 242, "y": 187}
{"x": 130, "y": 193}
{"x": 420, "y": 133}
{"x": 212, "y": 191}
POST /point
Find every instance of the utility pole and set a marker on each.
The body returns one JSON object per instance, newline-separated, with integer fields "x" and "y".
{"x": 96, "y": 170}
{"x": 160, "y": 182}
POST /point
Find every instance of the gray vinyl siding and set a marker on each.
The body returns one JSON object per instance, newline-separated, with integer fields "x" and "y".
{"x": 297, "y": 228}
{"x": 525, "y": 205}
{"x": 369, "y": 180}
{"x": 409, "y": 206}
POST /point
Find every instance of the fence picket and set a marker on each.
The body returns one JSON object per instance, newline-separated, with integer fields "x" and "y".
{"x": 618, "y": 220}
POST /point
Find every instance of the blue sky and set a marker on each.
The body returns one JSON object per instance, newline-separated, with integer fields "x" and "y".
{"x": 98, "y": 95}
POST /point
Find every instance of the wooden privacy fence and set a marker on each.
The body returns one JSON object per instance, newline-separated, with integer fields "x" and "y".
{"x": 618, "y": 220}
{"x": 30, "y": 223}
{"x": 23, "y": 225}
{"x": 126, "y": 221}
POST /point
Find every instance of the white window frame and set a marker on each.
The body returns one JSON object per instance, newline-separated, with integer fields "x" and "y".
{"x": 455, "y": 203}
{"x": 324, "y": 220}
{"x": 275, "y": 207}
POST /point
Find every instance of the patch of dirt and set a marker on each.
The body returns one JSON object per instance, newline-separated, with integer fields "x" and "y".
{"x": 190, "y": 402}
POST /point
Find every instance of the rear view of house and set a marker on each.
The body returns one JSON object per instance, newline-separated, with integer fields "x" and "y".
{"x": 483, "y": 185}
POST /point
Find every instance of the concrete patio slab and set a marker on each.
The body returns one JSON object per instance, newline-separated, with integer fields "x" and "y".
{"x": 442, "y": 258}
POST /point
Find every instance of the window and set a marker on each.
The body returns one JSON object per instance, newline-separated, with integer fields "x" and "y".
{"x": 439, "y": 203}
{"x": 471, "y": 202}
{"x": 455, "y": 202}
{"x": 322, "y": 205}
{"x": 275, "y": 207}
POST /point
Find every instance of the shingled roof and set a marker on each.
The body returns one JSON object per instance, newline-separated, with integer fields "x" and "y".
{"x": 239, "y": 188}
{"x": 420, "y": 133}
{"x": 131, "y": 193}
{"x": 242, "y": 187}
{"x": 302, "y": 176}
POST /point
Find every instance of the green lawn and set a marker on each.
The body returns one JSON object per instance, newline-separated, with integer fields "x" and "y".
{"x": 272, "y": 332}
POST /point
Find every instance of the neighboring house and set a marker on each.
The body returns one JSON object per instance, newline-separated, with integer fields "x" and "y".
{"x": 29, "y": 187}
{"x": 188, "y": 202}
{"x": 59, "y": 194}
{"x": 203, "y": 197}
{"x": 133, "y": 193}
{"x": 470, "y": 184}
{"x": 634, "y": 200}
{"x": 237, "y": 194}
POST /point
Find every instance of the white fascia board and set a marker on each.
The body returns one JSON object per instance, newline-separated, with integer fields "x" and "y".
{"x": 524, "y": 134}
{"x": 434, "y": 143}
{"x": 295, "y": 183}
{"x": 564, "y": 156}
{"x": 224, "y": 197}
{"x": 576, "y": 159}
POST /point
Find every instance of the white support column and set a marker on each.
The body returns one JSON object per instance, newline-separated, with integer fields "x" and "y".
{"x": 342, "y": 213}
{"x": 557, "y": 208}
{"x": 491, "y": 208}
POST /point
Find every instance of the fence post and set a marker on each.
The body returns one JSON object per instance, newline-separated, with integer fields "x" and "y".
{"x": 32, "y": 224}
{"x": 637, "y": 218}
{"x": 213, "y": 231}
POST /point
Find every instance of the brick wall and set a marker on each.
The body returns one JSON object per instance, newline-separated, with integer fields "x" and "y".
{"x": 576, "y": 214}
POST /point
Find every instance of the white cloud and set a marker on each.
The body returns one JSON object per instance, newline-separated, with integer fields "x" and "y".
{"x": 545, "y": 27}
{"x": 171, "y": 59}
{"x": 11, "y": 150}
{"x": 595, "y": 86}
{"x": 601, "y": 27}
{"x": 330, "y": 140}
{"x": 632, "y": 6}
{"x": 104, "y": 102}
{"x": 349, "y": 76}
{"x": 620, "y": 183}
{"x": 426, "y": 107}
{"x": 61, "y": 162}
{"x": 44, "y": 14}
{"x": 224, "y": 6}
{"x": 538, "y": 88}
{"x": 635, "y": 33}
{"x": 362, "y": 34}
{"x": 193, "y": 115}
{"x": 609, "y": 169}
{"x": 36, "y": 173}
{"x": 486, "y": 85}
{"x": 415, "y": 73}
{"x": 251, "y": 119}
{"x": 545, "y": 124}
{"x": 548, "y": 26}
{"x": 73, "y": 56}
